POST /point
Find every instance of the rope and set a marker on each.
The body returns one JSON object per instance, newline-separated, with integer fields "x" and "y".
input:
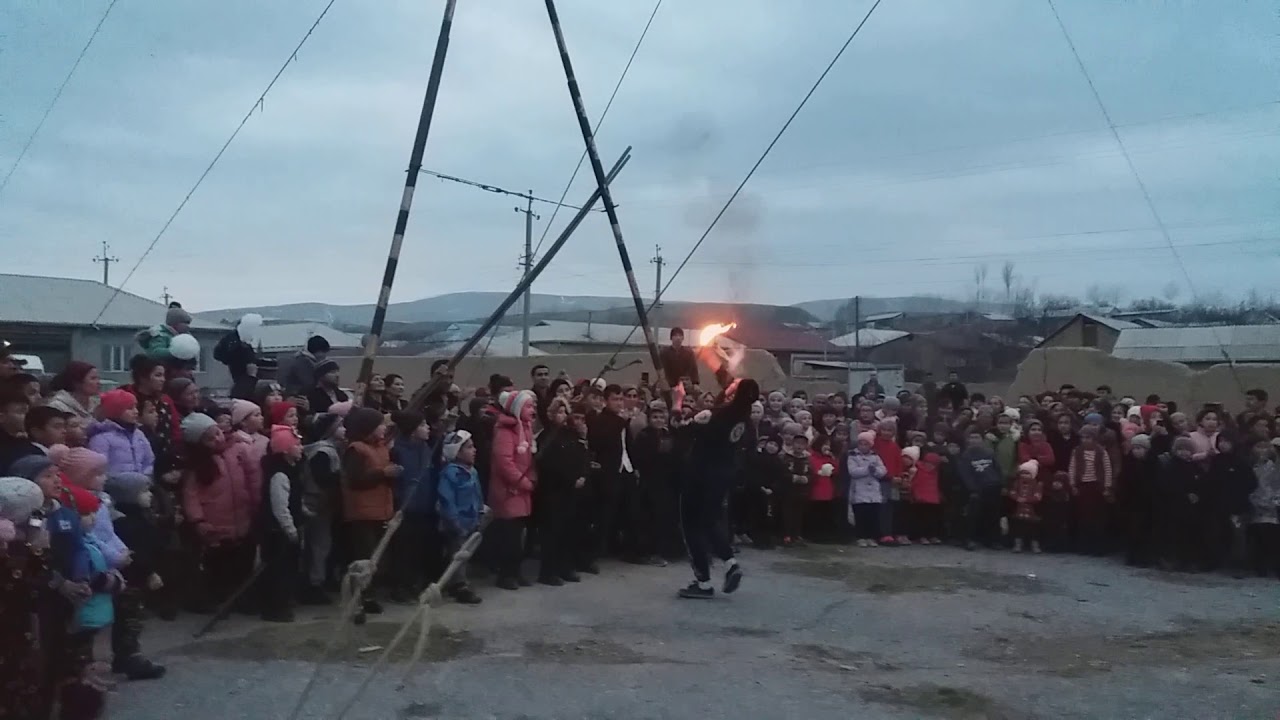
{"x": 750, "y": 173}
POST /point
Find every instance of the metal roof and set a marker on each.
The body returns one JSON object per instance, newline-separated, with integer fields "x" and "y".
{"x": 869, "y": 337}
{"x": 501, "y": 345}
{"x": 1244, "y": 343}
{"x": 581, "y": 333}
{"x": 36, "y": 300}
{"x": 294, "y": 336}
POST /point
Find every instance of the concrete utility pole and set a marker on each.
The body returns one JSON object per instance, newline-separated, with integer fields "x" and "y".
{"x": 659, "y": 261}
{"x": 527, "y": 261}
{"x": 106, "y": 261}
{"x": 166, "y": 296}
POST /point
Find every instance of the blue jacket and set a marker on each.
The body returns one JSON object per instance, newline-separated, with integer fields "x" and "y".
{"x": 461, "y": 500}
{"x": 416, "y": 457}
{"x": 96, "y": 612}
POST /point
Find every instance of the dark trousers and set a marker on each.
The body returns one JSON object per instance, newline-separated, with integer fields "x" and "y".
{"x": 417, "y": 553}
{"x": 820, "y": 520}
{"x": 126, "y": 630}
{"x": 886, "y": 508}
{"x": 556, "y": 531}
{"x": 640, "y": 538}
{"x": 226, "y": 566}
{"x": 1024, "y": 529}
{"x": 605, "y": 506}
{"x": 508, "y": 536}
{"x": 983, "y": 516}
{"x": 794, "y": 502}
{"x": 1091, "y": 519}
{"x": 926, "y": 520}
{"x": 1264, "y": 548}
{"x": 1141, "y": 542}
{"x": 866, "y": 520}
{"x": 1055, "y": 525}
{"x": 282, "y": 560}
{"x": 702, "y": 510}
{"x": 763, "y": 512}
{"x": 359, "y": 539}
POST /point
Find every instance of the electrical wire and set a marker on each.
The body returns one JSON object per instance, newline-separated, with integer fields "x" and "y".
{"x": 56, "y": 96}
{"x": 499, "y": 190}
{"x": 747, "y": 178}
{"x": 599, "y": 121}
{"x": 257, "y": 105}
{"x": 1137, "y": 178}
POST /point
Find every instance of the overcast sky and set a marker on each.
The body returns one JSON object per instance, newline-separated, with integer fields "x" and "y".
{"x": 950, "y": 134}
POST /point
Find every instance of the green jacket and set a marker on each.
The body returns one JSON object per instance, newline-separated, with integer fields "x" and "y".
{"x": 155, "y": 341}
{"x": 1005, "y": 448}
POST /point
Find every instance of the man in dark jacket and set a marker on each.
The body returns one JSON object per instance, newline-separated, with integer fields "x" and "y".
{"x": 718, "y": 435}
{"x": 299, "y": 376}
{"x": 607, "y": 436}
{"x": 13, "y": 428}
{"x": 241, "y": 361}
{"x": 954, "y": 391}
{"x": 678, "y": 361}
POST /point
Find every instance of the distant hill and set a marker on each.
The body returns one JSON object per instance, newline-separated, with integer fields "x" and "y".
{"x": 825, "y": 310}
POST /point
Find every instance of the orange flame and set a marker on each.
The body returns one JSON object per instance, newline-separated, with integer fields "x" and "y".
{"x": 713, "y": 331}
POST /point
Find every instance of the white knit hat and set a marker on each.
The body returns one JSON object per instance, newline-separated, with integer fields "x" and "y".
{"x": 912, "y": 452}
{"x": 453, "y": 442}
{"x": 1030, "y": 467}
{"x": 19, "y": 497}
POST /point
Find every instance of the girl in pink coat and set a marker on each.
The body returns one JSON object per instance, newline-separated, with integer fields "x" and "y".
{"x": 511, "y": 482}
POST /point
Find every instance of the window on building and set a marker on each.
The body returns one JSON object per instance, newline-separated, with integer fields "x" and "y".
{"x": 117, "y": 358}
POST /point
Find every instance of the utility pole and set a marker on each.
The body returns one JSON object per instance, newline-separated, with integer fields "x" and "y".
{"x": 106, "y": 261}
{"x": 529, "y": 215}
{"x": 857, "y": 328}
{"x": 166, "y": 296}
{"x": 657, "y": 286}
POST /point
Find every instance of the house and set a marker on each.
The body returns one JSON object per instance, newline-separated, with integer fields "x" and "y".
{"x": 784, "y": 343}
{"x": 1201, "y": 347}
{"x": 1088, "y": 330}
{"x": 57, "y": 320}
{"x": 865, "y": 339}
{"x": 286, "y": 338}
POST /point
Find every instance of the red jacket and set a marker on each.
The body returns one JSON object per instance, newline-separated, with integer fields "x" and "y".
{"x": 822, "y": 487}
{"x": 924, "y": 487}
{"x": 512, "y": 474}
{"x": 891, "y": 455}
{"x": 1041, "y": 452}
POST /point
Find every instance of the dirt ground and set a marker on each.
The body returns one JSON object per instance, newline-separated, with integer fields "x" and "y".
{"x": 821, "y": 632}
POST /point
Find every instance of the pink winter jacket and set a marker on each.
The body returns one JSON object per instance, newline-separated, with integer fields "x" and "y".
{"x": 127, "y": 449}
{"x": 225, "y": 509}
{"x": 512, "y": 474}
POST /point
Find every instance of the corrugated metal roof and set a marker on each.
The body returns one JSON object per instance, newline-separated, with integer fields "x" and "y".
{"x": 1113, "y": 323}
{"x": 564, "y": 331}
{"x": 502, "y": 345}
{"x": 1244, "y": 343}
{"x": 36, "y": 300}
{"x": 294, "y": 336}
{"x": 869, "y": 337}
{"x": 883, "y": 317}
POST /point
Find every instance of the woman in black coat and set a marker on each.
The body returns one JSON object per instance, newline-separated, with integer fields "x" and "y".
{"x": 563, "y": 463}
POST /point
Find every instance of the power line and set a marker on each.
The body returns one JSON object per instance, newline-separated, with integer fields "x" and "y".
{"x": 56, "y": 96}
{"x": 1137, "y": 177}
{"x": 257, "y": 105}
{"x": 499, "y": 190}
{"x": 599, "y": 122}
{"x": 752, "y": 171}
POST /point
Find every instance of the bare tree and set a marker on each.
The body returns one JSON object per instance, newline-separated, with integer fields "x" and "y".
{"x": 1103, "y": 295}
{"x": 979, "y": 285}
{"x": 1171, "y": 291}
{"x": 1051, "y": 303}
{"x": 1006, "y": 275}
{"x": 1023, "y": 302}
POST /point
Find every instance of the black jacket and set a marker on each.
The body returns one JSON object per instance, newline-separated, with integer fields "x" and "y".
{"x": 679, "y": 363}
{"x": 654, "y": 454}
{"x": 237, "y": 355}
{"x": 956, "y": 392}
{"x": 605, "y": 433}
{"x": 13, "y": 449}
{"x": 562, "y": 459}
{"x": 137, "y": 530}
{"x": 1233, "y": 481}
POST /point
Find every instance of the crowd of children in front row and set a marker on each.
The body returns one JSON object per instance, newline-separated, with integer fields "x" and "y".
{"x": 150, "y": 499}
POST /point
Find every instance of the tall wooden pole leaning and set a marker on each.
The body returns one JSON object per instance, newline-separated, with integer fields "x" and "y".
{"x": 598, "y": 169}
{"x": 406, "y": 200}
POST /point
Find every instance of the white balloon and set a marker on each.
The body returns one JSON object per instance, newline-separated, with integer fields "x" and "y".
{"x": 184, "y": 347}
{"x": 248, "y": 328}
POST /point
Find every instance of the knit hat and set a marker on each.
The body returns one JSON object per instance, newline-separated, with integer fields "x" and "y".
{"x": 1030, "y": 467}
{"x": 867, "y": 436}
{"x": 1147, "y": 411}
{"x": 887, "y": 423}
{"x": 84, "y": 502}
{"x": 283, "y": 439}
{"x": 1134, "y": 411}
{"x": 19, "y": 497}
{"x": 326, "y": 366}
{"x": 513, "y": 402}
{"x": 453, "y": 442}
{"x": 1013, "y": 413}
{"x": 126, "y": 488}
{"x": 174, "y": 387}
{"x": 791, "y": 428}
{"x": 1182, "y": 442}
{"x": 891, "y": 403}
{"x": 177, "y": 316}
{"x": 1142, "y": 441}
{"x": 360, "y": 423}
{"x": 31, "y": 467}
{"x": 341, "y": 409}
{"x": 323, "y": 426}
{"x": 82, "y": 466}
{"x": 279, "y": 410}
{"x": 912, "y": 452}
{"x": 194, "y": 426}
{"x": 1128, "y": 401}
{"x": 115, "y": 403}
{"x": 1093, "y": 419}
{"x": 757, "y": 406}
{"x": 242, "y": 410}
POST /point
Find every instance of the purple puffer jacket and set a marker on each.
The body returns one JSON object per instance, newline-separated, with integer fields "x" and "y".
{"x": 127, "y": 449}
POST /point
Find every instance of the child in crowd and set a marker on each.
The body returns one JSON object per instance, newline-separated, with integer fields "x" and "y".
{"x": 1136, "y": 501}
{"x": 980, "y": 474}
{"x": 130, "y": 494}
{"x": 416, "y": 549}
{"x": 46, "y": 427}
{"x": 281, "y": 538}
{"x": 1026, "y": 494}
{"x": 1264, "y": 520}
{"x": 926, "y": 492}
{"x": 92, "y": 567}
{"x": 513, "y": 482}
{"x": 1091, "y": 484}
{"x": 866, "y": 472}
{"x": 119, "y": 438}
{"x": 657, "y": 463}
{"x": 321, "y": 479}
{"x": 794, "y": 498}
{"x": 461, "y": 506}
{"x": 821, "y": 514}
{"x": 891, "y": 510}
{"x": 768, "y": 478}
{"x": 368, "y": 479}
{"x": 220, "y": 504}
{"x": 1180, "y": 530}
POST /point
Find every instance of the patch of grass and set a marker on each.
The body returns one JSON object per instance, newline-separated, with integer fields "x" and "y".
{"x": 939, "y": 701}
{"x": 1196, "y": 642}
{"x": 308, "y": 641}
{"x": 897, "y": 579}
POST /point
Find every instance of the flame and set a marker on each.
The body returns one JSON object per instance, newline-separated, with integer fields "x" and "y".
{"x": 713, "y": 331}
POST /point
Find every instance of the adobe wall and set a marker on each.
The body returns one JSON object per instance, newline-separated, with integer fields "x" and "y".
{"x": 1087, "y": 368}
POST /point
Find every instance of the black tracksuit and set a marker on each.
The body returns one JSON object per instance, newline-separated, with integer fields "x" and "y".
{"x": 712, "y": 464}
{"x": 562, "y": 459}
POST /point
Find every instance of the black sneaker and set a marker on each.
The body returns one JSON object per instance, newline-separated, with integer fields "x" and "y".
{"x": 589, "y": 568}
{"x": 732, "y": 578}
{"x": 372, "y": 607}
{"x": 570, "y": 576}
{"x": 552, "y": 580}
{"x": 693, "y": 591}
{"x": 138, "y": 668}
{"x": 507, "y": 583}
{"x": 523, "y": 581}
{"x": 466, "y": 596}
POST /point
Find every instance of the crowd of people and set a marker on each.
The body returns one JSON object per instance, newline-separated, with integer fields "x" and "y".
{"x": 151, "y": 499}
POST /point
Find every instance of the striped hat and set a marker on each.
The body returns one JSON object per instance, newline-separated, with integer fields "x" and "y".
{"x": 513, "y": 402}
